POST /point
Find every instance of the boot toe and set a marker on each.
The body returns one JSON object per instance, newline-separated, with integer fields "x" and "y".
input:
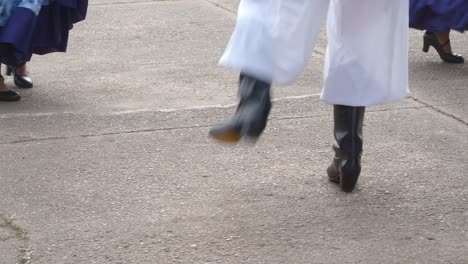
{"x": 228, "y": 135}
{"x": 333, "y": 174}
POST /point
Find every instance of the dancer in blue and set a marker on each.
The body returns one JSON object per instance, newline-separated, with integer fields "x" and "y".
{"x": 438, "y": 18}
{"x": 30, "y": 27}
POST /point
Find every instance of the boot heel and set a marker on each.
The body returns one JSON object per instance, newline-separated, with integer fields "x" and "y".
{"x": 350, "y": 174}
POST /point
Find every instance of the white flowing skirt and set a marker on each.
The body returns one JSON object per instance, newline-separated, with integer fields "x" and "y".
{"x": 367, "y": 55}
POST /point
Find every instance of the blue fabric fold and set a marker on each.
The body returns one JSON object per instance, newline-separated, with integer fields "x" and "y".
{"x": 30, "y": 31}
{"x": 439, "y": 15}
{"x": 16, "y": 36}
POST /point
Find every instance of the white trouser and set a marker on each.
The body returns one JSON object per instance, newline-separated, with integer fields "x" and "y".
{"x": 367, "y": 55}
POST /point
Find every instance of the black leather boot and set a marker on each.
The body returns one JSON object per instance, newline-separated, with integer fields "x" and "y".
{"x": 251, "y": 115}
{"x": 346, "y": 165}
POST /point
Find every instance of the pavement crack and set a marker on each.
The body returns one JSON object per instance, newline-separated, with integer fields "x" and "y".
{"x": 149, "y": 130}
{"x": 440, "y": 111}
{"x": 221, "y": 7}
{"x": 103, "y": 134}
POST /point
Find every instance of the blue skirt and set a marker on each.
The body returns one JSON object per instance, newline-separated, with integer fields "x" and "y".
{"x": 36, "y": 27}
{"x": 439, "y": 15}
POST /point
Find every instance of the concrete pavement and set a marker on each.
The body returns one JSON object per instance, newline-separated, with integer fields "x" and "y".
{"x": 107, "y": 159}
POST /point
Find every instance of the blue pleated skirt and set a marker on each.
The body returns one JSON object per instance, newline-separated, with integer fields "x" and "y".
{"x": 36, "y": 27}
{"x": 439, "y": 15}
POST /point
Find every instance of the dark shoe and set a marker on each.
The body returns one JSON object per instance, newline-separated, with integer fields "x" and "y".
{"x": 24, "y": 82}
{"x": 430, "y": 39}
{"x": 9, "y": 96}
{"x": 346, "y": 165}
{"x": 251, "y": 115}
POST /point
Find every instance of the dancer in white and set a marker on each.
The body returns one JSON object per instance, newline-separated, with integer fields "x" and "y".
{"x": 366, "y": 64}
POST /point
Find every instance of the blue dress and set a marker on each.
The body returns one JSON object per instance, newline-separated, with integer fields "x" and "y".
{"x": 439, "y": 15}
{"x": 36, "y": 27}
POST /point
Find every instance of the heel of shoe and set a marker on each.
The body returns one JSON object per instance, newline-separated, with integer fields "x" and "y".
{"x": 426, "y": 47}
{"x": 349, "y": 174}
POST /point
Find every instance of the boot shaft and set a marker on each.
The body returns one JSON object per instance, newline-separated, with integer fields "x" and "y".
{"x": 251, "y": 89}
{"x": 348, "y": 122}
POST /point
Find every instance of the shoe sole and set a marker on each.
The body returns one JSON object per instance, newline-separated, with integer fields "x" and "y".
{"x": 228, "y": 136}
{"x": 24, "y": 86}
{"x": 10, "y": 100}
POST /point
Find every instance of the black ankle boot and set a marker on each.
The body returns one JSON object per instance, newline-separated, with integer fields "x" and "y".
{"x": 346, "y": 165}
{"x": 252, "y": 112}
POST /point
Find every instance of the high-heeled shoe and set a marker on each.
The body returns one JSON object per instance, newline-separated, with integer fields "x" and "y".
{"x": 430, "y": 39}
{"x": 8, "y": 96}
{"x": 251, "y": 115}
{"x": 24, "y": 82}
